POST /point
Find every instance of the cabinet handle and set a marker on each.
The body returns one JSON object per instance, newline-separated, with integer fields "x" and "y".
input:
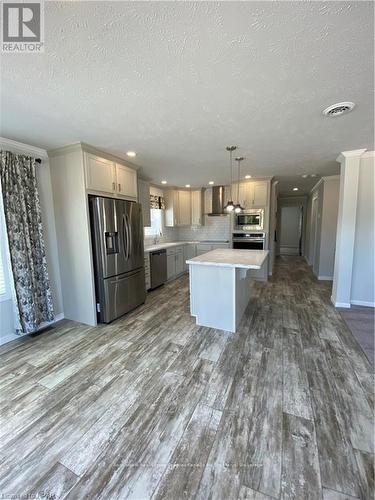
{"x": 113, "y": 186}
{"x": 119, "y": 187}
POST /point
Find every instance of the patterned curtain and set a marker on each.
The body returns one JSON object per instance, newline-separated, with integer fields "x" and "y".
{"x": 25, "y": 238}
{"x": 157, "y": 202}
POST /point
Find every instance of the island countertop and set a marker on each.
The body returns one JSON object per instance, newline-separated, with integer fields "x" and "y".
{"x": 229, "y": 257}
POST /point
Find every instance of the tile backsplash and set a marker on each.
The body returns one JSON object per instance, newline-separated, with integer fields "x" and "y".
{"x": 215, "y": 228}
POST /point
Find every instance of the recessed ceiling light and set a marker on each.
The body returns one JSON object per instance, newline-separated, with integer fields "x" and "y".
{"x": 164, "y": 182}
{"x": 247, "y": 176}
{"x": 187, "y": 185}
{"x": 313, "y": 175}
{"x": 295, "y": 189}
{"x": 131, "y": 154}
{"x": 211, "y": 182}
{"x": 338, "y": 109}
{"x": 305, "y": 175}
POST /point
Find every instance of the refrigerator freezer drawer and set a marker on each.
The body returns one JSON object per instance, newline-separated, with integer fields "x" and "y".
{"x": 121, "y": 294}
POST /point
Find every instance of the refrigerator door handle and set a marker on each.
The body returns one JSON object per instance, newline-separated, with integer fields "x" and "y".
{"x": 130, "y": 232}
{"x": 125, "y": 236}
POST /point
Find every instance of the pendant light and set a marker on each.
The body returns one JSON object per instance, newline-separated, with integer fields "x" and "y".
{"x": 229, "y": 207}
{"x": 237, "y": 207}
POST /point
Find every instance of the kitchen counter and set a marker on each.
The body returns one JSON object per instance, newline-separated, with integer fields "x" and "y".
{"x": 228, "y": 257}
{"x": 160, "y": 246}
{"x": 221, "y": 286}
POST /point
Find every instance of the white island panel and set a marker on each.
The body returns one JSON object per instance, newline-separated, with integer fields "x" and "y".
{"x": 220, "y": 286}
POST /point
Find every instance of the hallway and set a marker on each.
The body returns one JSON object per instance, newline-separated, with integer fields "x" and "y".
{"x": 154, "y": 406}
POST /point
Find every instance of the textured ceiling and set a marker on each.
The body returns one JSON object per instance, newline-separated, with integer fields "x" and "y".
{"x": 178, "y": 81}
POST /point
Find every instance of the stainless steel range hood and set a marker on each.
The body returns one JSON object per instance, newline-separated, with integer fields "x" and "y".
{"x": 218, "y": 202}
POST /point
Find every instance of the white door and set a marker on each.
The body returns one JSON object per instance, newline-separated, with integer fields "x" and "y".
{"x": 290, "y": 230}
{"x": 171, "y": 266}
{"x": 180, "y": 268}
{"x": 100, "y": 174}
{"x": 260, "y": 194}
{"x": 184, "y": 208}
{"x": 126, "y": 181}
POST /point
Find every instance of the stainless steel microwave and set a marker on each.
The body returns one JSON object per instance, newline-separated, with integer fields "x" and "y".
{"x": 249, "y": 220}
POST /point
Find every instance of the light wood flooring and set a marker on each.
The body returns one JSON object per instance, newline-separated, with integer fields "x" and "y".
{"x": 153, "y": 406}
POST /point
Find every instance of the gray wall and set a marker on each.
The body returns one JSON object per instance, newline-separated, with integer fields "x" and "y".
{"x": 363, "y": 273}
{"x": 324, "y": 238}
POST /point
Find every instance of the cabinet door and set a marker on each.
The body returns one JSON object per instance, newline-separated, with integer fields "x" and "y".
{"x": 260, "y": 194}
{"x": 180, "y": 268}
{"x": 203, "y": 248}
{"x": 126, "y": 179}
{"x": 244, "y": 194}
{"x": 144, "y": 200}
{"x": 184, "y": 208}
{"x": 170, "y": 212}
{"x": 100, "y": 174}
{"x": 196, "y": 208}
{"x": 171, "y": 266}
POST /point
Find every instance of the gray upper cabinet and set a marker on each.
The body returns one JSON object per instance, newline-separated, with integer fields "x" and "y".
{"x": 144, "y": 200}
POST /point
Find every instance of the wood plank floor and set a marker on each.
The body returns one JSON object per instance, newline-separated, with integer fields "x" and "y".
{"x": 153, "y": 406}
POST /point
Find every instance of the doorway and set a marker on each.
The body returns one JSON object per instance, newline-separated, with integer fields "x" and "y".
{"x": 291, "y": 230}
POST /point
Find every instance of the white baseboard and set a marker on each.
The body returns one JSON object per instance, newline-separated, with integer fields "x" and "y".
{"x": 362, "y": 303}
{"x": 325, "y": 278}
{"x": 344, "y": 305}
{"x": 13, "y": 336}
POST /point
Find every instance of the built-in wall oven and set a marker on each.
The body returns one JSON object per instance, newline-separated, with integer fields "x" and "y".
{"x": 249, "y": 220}
{"x": 249, "y": 241}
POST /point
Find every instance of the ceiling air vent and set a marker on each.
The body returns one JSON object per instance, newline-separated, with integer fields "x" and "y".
{"x": 338, "y": 109}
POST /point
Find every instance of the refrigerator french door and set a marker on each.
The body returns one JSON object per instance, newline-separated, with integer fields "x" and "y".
{"x": 117, "y": 239}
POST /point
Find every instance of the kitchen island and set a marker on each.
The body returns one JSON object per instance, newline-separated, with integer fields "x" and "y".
{"x": 220, "y": 286}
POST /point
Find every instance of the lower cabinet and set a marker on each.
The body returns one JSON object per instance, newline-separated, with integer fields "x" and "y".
{"x": 175, "y": 262}
{"x": 207, "y": 247}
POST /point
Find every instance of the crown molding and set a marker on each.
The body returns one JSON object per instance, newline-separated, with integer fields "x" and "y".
{"x": 87, "y": 148}
{"x": 331, "y": 177}
{"x": 368, "y": 154}
{"x": 355, "y": 153}
{"x": 21, "y": 147}
{"x": 316, "y": 185}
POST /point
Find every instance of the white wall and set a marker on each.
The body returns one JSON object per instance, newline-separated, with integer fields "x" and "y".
{"x": 49, "y": 230}
{"x": 363, "y": 273}
{"x": 321, "y": 230}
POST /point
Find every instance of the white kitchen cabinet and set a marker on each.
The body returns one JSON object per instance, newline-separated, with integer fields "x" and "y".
{"x": 144, "y": 200}
{"x": 147, "y": 271}
{"x": 106, "y": 177}
{"x": 190, "y": 251}
{"x": 260, "y": 194}
{"x": 197, "y": 207}
{"x": 100, "y": 174}
{"x": 207, "y": 247}
{"x": 251, "y": 194}
{"x": 180, "y": 267}
{"x": 175, "y": 262}
{"x": 126, "y": 180}
{"x": 171, "y": 265}
{"x": 177, "y": 208}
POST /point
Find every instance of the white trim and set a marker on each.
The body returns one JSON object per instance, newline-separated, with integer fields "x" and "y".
{"x": 23, "y": 148}
{"x": 325, "y": 278}
{"x": 368, "y": 154}
{"x": 362, "y": 303}
{"x": 343, "y": 305}
{"x": 316, "y": 185}
{"x": 13, "y": 336}
{"x": 331, "y": 178}
{"x": 355, "y": 153}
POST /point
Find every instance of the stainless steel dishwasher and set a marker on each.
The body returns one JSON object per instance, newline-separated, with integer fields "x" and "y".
{"x": 158, "y": 265}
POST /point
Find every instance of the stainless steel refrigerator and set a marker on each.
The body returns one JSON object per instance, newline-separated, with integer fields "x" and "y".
{"x": 117, "y": 239}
